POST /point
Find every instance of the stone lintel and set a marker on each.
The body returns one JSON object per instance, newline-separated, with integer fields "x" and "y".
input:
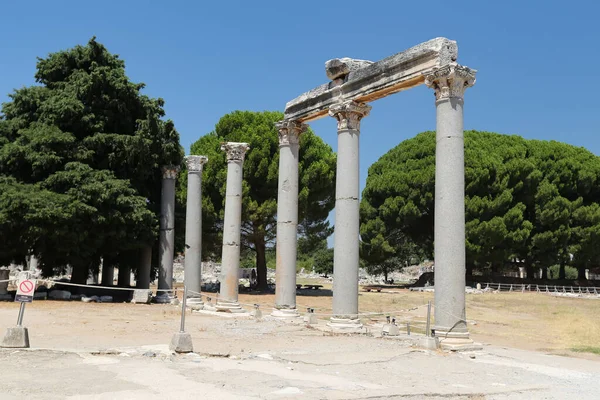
{"x": 391, "y": 75}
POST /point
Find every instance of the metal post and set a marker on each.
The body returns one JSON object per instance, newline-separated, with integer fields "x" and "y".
{"x": 183, "y": 309}
{"x": 408, "y": 328}
{"x": 21, "y": 312}
{"x": 428, "y": 327}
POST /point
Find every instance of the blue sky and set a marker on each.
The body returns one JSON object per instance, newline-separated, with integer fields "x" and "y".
{"x": 537, "y": 61}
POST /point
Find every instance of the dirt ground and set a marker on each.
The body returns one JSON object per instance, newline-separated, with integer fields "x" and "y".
{"x": 108, "y": 351}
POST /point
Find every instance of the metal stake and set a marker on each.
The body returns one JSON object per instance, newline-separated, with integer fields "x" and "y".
{"x": 183, "y": 309}
{"x": 427, "y": 329}
{"x": 21, "y": 312}
{"x": 408, "y": 328}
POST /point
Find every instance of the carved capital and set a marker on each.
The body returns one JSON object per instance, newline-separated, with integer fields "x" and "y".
{"x": 450, "y": 81}
{"x": 170, "y": 171}
{"x": 195, "y": 164}
{"x": 235, "y": 151}
{"x": 349, "y": 114}
{"x": 290, "y": 131}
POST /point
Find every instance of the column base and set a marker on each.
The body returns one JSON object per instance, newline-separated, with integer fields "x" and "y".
{"x": 181, "y": 342}
{"x": 345, "y": 325}
{"x": 195, "y": 303}
{"x": 285, "y": 313}
{"x": 456, "y": 341}
{"x": 229, "y": 306}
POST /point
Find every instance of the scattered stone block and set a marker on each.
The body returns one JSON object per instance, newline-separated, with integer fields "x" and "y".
{"x": 77, "y": 296}
{"x": 106, "y": 299}
{"x": 390, "y": 330}
{"x": 40, "y": 295}
{"x": 59, "y": 295}
{"x": 181, "y": 343}
{"x": 142, "y": 296}
{"x": 17, "y": 337}
{"x": 91, "y": 299}
{"x": 162, "y": 299}
{"x": 6, "y": 297}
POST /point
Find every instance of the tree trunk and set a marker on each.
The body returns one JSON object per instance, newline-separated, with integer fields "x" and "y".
{"x": 530, "y": 271}
{"x": 261, "y": 265}
{"x": 562, "y": 273}
{"x": 80, "y": 274}
{"x": 385, "y": 275}
{"x": 544, "y": 272}
{"x": 469, "y": 273}
{"x": 581, "y": 274}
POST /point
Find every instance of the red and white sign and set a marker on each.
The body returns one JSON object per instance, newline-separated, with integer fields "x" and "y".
{"x": 25, "y": 289}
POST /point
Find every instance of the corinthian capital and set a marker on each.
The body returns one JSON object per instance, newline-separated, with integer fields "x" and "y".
{"x": 450, "y": 81}
{"x": 195, "y": 163}
{"x": 170, "y": 171}
{"x": 349, "y": 114}
{"x": 290, "y": 131}
{"x": 235, "y": 151}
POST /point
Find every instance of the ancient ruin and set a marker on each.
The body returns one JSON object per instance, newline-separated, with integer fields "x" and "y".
{"x": 353, "y": 84}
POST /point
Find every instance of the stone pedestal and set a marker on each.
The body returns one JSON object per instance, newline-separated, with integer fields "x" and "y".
{"x": 346, "y": 240}
{"x": 287, "y": 219}
{"x": 16, "y": 337}
{"x": 166, "y": 247}
{"x": 181, "y": 343}
{"x": 144, "y": 268}
{"x": 346, "y": 325}
{"x": 449, "y": 83}
{"x": 230, "y": 260}
{"x": 193, "y": 230}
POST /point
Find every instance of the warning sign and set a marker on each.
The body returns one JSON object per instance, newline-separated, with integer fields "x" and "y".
{"x": 25, "y": 289}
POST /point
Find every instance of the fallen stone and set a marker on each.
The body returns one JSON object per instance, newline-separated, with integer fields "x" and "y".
{"x": 181, "y": 343}
{"x": 40, "y": 295}
{"x": 142, "y": 296}
{"x": 17, "y": 337}
{"x": 162, "y": 299}
{"x": 59, "y": 295}
{"x": 77, "y": 297}
{"x": 106, "y": 299}
{"x": 149, "y": 354}
{"x": 91, "y": 299}
{"x": 6, "y": 297}
{"x": 41, "y": 288}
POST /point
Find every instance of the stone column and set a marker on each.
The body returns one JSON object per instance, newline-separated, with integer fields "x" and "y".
{"x": 4, "y": 275}
{"x": 287, "y": 219}
{"x": 193, "y": 230}
{"x": 346, "y": 240}
{"x": 124, "y": 276}
{"x": 144, "y": 268}
{"x": 230, "y": 260}
{"x": 449, "y": 83}
{"x": 166, "y": 245}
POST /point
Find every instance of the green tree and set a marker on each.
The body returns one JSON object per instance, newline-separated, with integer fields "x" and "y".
{"x": 80, "y": 159}
{"x": 259, "y": 205}
{"x": 524, "y": 199}
{"x": 323, "y": 261}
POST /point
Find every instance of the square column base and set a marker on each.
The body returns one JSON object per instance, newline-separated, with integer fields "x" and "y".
{"x": 285, "y": 313}
{"x": 181, "y": 343}
{"x": 345, "y": 325}
{"x": 17, "y": 337}
{"x": 195, "y": 303}
{"x": 228, "y": 306}
{"x": 456, "y": 341}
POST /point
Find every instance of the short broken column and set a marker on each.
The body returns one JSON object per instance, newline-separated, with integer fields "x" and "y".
{"x": 166, "y": 245}
{"x": 287, "y": 219}
{"x": 193, "y": 230}
{"x": 346, "y": 240}
{"x": 230, "y": 260}
{"x": 449, "y": 83}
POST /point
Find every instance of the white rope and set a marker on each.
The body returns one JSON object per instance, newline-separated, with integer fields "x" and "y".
{"x": 102, "y": 287}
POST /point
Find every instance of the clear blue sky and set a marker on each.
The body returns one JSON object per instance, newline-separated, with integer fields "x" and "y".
{"x": 538, "y": 61}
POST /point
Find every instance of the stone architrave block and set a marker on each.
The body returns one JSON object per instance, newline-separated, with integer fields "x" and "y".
{"x": 142, "y": 296}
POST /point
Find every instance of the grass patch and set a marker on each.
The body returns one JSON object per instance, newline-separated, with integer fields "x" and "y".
{"x": 587, "y": 349}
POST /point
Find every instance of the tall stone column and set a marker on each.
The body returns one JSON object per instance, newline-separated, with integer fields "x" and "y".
{"x": 449, "y": 83}
{"x": 108, "y": 274}
{"x": 230, "y": 260}
{"x": 193, "y": 229}
{"x": 287, "y": 219}
{"x": 124, "y": 276}
{"x": 166, "y": 246}
{"x": 346, "y": 240}
{"x": 144, "y": 268}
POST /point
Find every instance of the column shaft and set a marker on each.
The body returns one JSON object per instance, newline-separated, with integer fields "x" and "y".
{"x": 450, "y": 82}
{"x": 346, "y": 239}
{"x": 124, "y": 277}
{"x": 166, "y": 246}
{"x": 193, "y": 227}
{"x": 230, "y": 260}
{"x": 108, "y": 274}
{"x": 287, "y": 219}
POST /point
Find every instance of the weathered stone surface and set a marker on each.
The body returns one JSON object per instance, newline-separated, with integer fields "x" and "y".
{"x": 382, "y": 78}
{"x": 59, "y": 295}
{"x": 92, "y": 299}
{"x": 390, "y": 330}
{"x": 40, "y": 295}
{"x": 106, "y": 299}
{"x": 16, "y": 337}
{"x": 6, "y": 297}
{"x": 142, "y": 296}
{"x": 340, "y": 67}
{"x": 181, "y": 343}
{"x": 163, "y": 298}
